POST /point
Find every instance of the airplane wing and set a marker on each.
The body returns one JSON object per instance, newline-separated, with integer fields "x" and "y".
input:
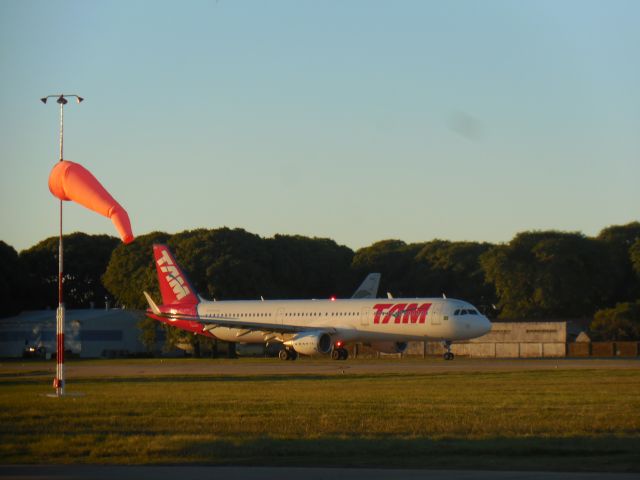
{"x": 230, "y": 322}
{"x": 369, "y": 287}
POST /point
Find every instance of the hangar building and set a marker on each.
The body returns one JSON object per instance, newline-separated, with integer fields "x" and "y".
{"x": 513, "y": 340}
{"x": 89, "y": 333}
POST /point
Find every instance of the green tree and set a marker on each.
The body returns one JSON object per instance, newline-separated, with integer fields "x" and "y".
{"x": 432, "y": 268}
{"x": 148, "y": 333}
{"x": 634, "y": 255}
{"x": 224, "y": 263}
{"x": 85, "y": 260}
{"x": 549, "y": 274}
{"x": 619, "y": 240}
{"x": 304, "y": 267}
{"x": 454, "y": 268}
{"x": 619, "y": 323}
{"x": 395, "y": 260}
{"x": 131, "y": 270}
{"x": 12, "y": 281}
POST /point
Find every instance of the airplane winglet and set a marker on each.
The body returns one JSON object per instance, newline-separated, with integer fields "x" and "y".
{"x": 152, "y": 304}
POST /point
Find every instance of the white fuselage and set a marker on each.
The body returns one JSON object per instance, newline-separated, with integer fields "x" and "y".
{"x": 352, "y": 320}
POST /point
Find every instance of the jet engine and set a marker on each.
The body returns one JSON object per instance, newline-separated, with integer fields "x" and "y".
{"x": 310, "y": 343}
{"x": 390, "y": 347}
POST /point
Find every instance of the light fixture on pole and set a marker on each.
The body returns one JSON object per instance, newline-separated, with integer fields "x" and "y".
{"x": 58, "y": 381}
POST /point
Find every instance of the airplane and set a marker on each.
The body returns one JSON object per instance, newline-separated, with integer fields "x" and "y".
{"x": 314, "y": 327}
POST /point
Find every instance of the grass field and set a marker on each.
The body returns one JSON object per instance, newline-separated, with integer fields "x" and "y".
{"x": 551, "y": 420}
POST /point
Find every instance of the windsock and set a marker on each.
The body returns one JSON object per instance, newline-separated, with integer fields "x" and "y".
{"x": 71, "y": 181}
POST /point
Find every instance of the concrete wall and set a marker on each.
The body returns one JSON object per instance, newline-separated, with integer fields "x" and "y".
{"x": 508, "y": 340}
{"x": 525, "y": 332}
{"x": 554, "y": 349}
{"x": 507, "y": 350}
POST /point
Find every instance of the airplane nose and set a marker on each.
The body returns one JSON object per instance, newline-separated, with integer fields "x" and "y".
{"x": 484, "y": 325}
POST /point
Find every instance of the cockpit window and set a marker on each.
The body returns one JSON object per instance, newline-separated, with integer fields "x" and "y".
{"x": 457, "y": 312}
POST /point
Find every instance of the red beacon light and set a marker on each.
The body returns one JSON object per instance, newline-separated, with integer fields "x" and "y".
{"x": 333, "y": 299}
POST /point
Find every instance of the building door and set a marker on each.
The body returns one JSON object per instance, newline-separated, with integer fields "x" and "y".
{"x": 365, "y": 312}
{"x": 435, "y": 313}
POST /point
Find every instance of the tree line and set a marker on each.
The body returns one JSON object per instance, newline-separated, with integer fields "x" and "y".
{"x": 537, "y": 275}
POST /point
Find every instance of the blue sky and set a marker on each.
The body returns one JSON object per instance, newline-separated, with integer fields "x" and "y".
{"x": 354, "y": 120}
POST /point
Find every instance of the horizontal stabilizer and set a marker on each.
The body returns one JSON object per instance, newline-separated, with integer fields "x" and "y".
{"x": 152, "y": 304}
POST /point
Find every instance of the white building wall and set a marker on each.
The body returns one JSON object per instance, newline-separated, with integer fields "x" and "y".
{"x": 507, "y": 340}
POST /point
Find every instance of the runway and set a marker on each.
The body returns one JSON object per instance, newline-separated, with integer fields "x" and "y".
{"x": 102, "y": 472}
{"x": 305, "y": 366}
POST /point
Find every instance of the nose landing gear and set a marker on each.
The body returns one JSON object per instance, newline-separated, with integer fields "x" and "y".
{"x": 448, "y": 355}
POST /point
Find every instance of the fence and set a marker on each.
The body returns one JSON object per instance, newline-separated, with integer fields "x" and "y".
{"x": 526, "y": 349}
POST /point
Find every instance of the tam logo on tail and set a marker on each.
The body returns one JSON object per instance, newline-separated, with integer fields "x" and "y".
{"x": 174, "y": 286}
{"x": 176, "y": 282}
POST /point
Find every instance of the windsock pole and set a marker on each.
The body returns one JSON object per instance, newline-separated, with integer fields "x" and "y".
{"x": 58, "y": 381}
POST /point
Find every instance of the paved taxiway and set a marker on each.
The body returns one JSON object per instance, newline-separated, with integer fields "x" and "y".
{"x": 132, "y": 368}
{"x": 90, "y": 472}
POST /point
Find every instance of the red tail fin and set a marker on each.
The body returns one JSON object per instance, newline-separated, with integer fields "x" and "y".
{"x": 174, "y": 285}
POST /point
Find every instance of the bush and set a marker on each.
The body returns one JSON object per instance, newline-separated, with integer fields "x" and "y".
{"x": 619, "y": 323}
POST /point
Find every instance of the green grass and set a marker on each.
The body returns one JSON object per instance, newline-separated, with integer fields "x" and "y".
{"x": 551, "y": 420}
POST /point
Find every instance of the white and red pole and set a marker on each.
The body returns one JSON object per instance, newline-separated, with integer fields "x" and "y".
{"x": 58, "y": 381}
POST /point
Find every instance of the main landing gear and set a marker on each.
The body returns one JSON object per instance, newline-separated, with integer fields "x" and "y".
{"x": 288, "y": 354}
{"x": 339, "y": 354}
{"x": 448, "y": 355}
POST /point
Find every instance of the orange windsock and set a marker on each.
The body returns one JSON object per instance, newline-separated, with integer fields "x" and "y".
{"x": 71, "y": 181}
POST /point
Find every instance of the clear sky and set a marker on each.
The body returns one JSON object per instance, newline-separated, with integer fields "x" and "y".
{"x": 354, "y": 120}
